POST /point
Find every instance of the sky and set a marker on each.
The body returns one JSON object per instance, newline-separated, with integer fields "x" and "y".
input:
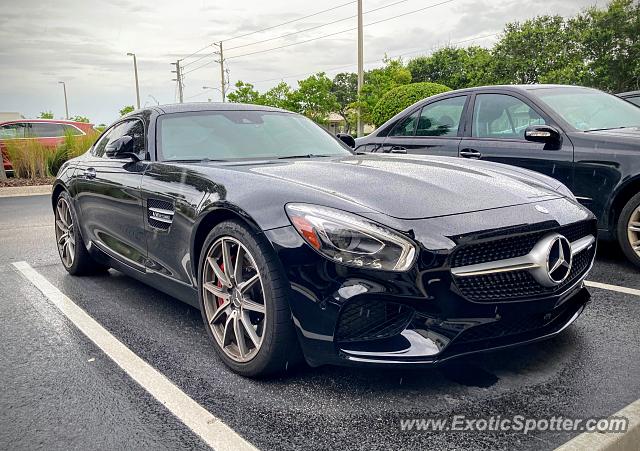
{"x": 85, "y": 44}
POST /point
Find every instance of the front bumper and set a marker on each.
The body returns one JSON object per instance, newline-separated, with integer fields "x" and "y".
{"x": 351, "y": 316}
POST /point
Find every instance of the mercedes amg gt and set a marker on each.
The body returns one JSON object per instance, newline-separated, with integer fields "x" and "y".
{"x": 296, "y": 248}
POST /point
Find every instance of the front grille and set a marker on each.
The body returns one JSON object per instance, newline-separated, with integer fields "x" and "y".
{"x": 515, "y": 246}
{"x": 363, "y": 320}
{"x": 517, "y": 285}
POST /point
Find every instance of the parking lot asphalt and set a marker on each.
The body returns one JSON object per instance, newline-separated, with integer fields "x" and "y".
{"x": 60, "y": 391}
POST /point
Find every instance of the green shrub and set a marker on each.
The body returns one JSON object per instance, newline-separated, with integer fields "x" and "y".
{"x": 28, "y": 157}
{"x": 397, "y": 99}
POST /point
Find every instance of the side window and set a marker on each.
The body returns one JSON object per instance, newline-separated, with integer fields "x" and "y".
{"x": 45, "y": 130}
{"x": 132, "y": 128}
{"x": 502, "y": 116}
{"x": 441, "y": 118}
{"x": 406, "y": 127}
{"x": 13, "y": 131}
{"x": 70, "y": 129}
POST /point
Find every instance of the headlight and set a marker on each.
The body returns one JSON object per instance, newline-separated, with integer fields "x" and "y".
{"x": 351, "y": 240}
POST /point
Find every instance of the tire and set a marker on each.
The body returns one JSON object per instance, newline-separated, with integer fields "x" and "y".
{"x": 230, "y": 317}
{"x": 73, "y": 253}
{"x": 626, "y": 236}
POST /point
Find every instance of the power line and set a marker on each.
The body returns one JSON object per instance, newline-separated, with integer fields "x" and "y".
{"x": 274, "y": 26}
{"x": 316, "y": 26}
{"x": 340, "y": 32}
{"x": 372, "y": 61}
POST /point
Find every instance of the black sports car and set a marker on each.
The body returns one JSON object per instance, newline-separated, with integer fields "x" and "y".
{"x": 293, "y": 246}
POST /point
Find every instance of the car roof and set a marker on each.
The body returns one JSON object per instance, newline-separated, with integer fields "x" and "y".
{"x": 55, "y": 121}
{"x": 522, "y": 88}
{"x": 215, "y": 106}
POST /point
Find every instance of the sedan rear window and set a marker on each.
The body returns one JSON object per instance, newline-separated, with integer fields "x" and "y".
{"x": 232, "y": 135}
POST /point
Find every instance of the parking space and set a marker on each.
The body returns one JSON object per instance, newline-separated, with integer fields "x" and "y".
{"x": 58, "y": 383}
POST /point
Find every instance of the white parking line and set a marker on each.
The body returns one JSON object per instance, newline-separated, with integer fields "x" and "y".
{"x": 210, "y": 428}
{"x": 606, "y": 286}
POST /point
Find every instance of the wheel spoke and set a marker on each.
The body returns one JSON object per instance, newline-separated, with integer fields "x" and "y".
{"x": 228, "y": 330}
{"x": 634, "y": 226}
{"x": 237, "y": 273}
{"x": 238, "y": 331}
{"x": 251, "y": 332}
{"x": 248, "y": 304}
{"x": 61, "y": 215}
{"x": 246, "y": 286}
{"x": 220, "y": 275}
{"x": 226, "y": 260}
{"x": 61, "y": 225}
{"x": 62, "y": 239}
{"x": 216, "y": 290}
{"x": 224, "y": 308}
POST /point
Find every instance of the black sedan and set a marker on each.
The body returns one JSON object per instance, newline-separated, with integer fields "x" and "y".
{"x": 294, "y": 247}
{"x": 586, "y": 139}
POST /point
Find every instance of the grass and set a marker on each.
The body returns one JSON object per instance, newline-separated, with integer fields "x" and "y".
{"x": 31, "y": 159}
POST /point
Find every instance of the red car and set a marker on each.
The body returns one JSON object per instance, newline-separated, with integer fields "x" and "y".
{"x": 49, "y": 132}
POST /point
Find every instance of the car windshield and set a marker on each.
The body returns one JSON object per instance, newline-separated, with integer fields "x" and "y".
{"x": 589, "y": 109}
{"x": 233, "y": 135}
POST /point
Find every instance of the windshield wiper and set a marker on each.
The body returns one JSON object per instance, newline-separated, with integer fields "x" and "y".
{"x": 309, "y": 155}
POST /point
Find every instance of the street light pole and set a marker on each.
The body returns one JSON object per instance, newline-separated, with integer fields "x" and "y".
{"x": 66, "y": 105}
{"x": 360, "y": 128}
{"x": 135, "y": 70}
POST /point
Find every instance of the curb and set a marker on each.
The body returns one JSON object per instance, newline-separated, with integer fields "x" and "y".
{"x": 17, "y": 191}
{"x": 598, "y": 441}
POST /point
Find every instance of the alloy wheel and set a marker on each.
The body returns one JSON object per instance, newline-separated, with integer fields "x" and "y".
{"x": 234, "y": 300}
{"x": 633, "y": 231}
{"x": 65, "y": 232}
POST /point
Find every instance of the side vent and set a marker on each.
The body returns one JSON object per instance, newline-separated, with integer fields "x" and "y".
{"x": 160, "y": 213}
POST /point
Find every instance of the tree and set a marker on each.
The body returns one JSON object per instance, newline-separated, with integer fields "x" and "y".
{"x": 81, "y": 119}
{"x": 279, "y": 96}
{"x": 345, "y": 89}
{"x": 126, "y": 110}
{"x": 540, "y": 50}
{"x": 609, "y": 43}
{"x": 314, "y": 98}
{"x": 244, "y": 93}
{"x": 454, "y": 67}
{"x": 377, "y": 82}
{"x": 402, "y": 97}
{"x": 46, "y": 115}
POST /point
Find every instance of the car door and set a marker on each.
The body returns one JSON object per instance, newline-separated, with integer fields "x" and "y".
{"x": 108, "y": 195}
{"x": 498, "y": 122}
{"x": 433, "y": 129}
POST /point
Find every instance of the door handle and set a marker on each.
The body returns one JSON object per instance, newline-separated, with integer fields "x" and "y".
{"x": 470, "y": 153}
{"x": 90, "y": 173}
{"x": 398, "y": 149}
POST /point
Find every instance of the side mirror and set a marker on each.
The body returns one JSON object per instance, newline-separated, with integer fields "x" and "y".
{"x": 121, "y": 148}
{"x": 347, "y": 139}
{"x": 545, "y": 134}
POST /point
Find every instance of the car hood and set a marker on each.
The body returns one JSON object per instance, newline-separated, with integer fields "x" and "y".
{"x": 413, "y": 187}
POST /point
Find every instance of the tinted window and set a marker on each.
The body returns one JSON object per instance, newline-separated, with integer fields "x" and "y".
{"x": 590, "y": 109}
{"x": 441, "y": 118}
{"x": 502, "y": 116}
{"x": 406, "y": 127}
{"x": 228, "y": 135}
{"x": 133, "y": 128}
{"x": 45, "y": 130}
{"x": 11, "y": 131}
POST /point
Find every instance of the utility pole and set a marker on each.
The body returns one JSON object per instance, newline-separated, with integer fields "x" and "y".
{"x": 135, "y": 69}
{"x": 66, "y": 105}
{"x": 222, "y": 74}
{"x": 360, "y": 128}
{"x": 178, "y": 79}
